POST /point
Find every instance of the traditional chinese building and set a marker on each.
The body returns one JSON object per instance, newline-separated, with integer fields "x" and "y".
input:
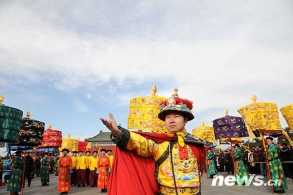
{"x": 102, "y": 140}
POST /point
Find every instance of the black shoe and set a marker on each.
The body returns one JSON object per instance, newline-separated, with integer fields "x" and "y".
{"x": 83, "y": 185}
{"x": 78, "y": 185}
{"x": 62, "y": 193}
{"x": 280, "y": 191}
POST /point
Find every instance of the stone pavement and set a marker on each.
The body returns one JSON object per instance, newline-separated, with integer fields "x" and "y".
{"x": 207, "y": 188}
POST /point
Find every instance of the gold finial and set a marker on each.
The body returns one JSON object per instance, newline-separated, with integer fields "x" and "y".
{"x": 253, "y": 98}
{"x": 69, "y": 135}
{"x": 202, "y": 124}
{"x": 175, "y": 93}
{"x": 154, "y": 90}
{"x": 28, "y": 114}
{"x": 1, "y": 99}
{"x": 226, "y": 112}
{"x": 49, "y": 126}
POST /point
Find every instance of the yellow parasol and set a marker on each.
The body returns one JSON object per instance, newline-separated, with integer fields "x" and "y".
{"x": 204, "y": 132}
{"x": 261, "y": 116}
{"x": 143, "y": 113}
{"x": 287, "y": 112}
{"x": 69, "y": 143}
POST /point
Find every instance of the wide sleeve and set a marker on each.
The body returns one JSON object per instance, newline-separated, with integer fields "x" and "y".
{"x": 132, "y": 141}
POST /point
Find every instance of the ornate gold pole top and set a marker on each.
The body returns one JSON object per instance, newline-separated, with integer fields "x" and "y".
{"x": 253, "y": 98}
{"x": 28, "y": 114}
{"x": 69, "y": 135}
{"x": 175, "y": 93}
{"x": 202, "y": 124}
{"x": 154, "y": 90}
{"x": 226, "y": 112}
{"x": 49, "y": 126}
{"x": 1, "y": 99}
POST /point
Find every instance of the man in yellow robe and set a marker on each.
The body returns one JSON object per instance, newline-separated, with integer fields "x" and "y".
{"x": 74, "y": 164}
{"x": 179, "y": 156}
{"x": 111, "y": 157}
{"x": 81, "y": 170}
{"x": 87, "y": 170}
{"x": 93, "y": 167}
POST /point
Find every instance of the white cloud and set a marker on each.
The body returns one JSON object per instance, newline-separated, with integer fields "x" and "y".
{"x": 218, "y": 54}
{"x": 80, "y": 106}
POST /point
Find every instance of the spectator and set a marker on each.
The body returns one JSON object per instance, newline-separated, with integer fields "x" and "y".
{"x": 29, "y": 168}
{"x": 52, "y": 163}
{"x": 228, "y": 162}
{"x": 256, "y": 158}
{"x": 222, "y": 161}
{"x": 291, "y": 159}
{"x": 285, "y": 156}
{"x": 8, "y": 166}
{"x": 38, "y": 166}
{"x": 1, "y": 171}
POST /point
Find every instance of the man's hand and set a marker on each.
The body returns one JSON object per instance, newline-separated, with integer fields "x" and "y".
{"x": 112, "y": 125}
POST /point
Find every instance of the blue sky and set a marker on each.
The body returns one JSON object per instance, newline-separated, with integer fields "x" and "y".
{"x": 71, "y": 62}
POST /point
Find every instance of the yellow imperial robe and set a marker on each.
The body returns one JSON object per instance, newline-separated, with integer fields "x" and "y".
{"x": 186, "y": 171}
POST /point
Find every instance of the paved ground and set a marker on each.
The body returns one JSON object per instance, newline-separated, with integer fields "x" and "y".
{"x": 207, "y": 188}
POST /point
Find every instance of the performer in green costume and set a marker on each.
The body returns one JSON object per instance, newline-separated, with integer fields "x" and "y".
{"x": 241, "y": 177}
{"x": 276, "y": 169}
{"x": 45, "y": 170}
{"x": 212, "y": 170}
{"x": 15, "y": 182}
{"x": 55, "y": 169}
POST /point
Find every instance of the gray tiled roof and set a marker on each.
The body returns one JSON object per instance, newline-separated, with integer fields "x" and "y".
{"x": 101, "y": 137}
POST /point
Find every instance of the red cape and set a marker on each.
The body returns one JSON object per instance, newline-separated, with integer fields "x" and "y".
{"x": 133, "y": 174}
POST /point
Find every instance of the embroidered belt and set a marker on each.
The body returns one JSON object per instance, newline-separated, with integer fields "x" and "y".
{"x": 181, "y": 191}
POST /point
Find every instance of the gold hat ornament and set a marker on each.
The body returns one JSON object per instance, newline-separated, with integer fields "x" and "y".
{"x": 262, "y": 116}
